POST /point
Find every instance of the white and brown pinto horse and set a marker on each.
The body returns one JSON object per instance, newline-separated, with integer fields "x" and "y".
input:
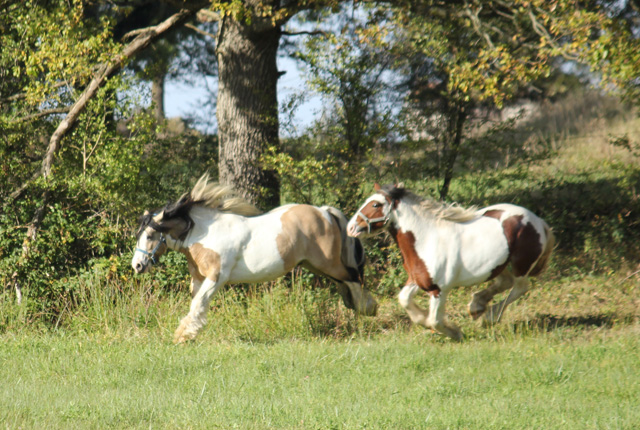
{"x": 227, "y": 240}
{"x": 446, "y": 246}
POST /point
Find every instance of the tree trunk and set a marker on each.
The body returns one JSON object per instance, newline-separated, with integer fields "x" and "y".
{"x": 456, "y": 120}
{"x": 157, "y": 96}
{"x": 247, "y": 108}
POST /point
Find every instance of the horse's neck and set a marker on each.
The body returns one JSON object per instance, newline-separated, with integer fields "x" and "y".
{"x": 172, "y": 243}
{"x": 202, "y": 218}
{"x": 409, "y": 218}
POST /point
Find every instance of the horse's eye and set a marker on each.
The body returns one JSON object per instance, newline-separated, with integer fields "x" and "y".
{"x": 377, "y": 205}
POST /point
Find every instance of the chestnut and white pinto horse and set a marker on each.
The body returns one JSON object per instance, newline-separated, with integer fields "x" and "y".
{"x": 446, "y": 246}
{"x": 227, "y": 240}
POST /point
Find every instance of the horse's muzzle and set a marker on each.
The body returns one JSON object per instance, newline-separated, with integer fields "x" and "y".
{"x": 353, "y": 229}
{"x": 140, "y": 266}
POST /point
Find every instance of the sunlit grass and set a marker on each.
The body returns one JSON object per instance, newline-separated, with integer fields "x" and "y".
{"x": 544, "y": 380}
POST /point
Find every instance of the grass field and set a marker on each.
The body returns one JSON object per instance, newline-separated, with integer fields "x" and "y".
{"x": 288, "y": 355}
{"x": 556, "y": 380}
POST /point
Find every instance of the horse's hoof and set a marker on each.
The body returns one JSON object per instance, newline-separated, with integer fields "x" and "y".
{"x": 475, "y": 314}
{"x": 476, "y": 311}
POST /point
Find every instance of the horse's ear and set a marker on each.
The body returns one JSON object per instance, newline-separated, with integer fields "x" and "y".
{"x": 146, "y": 212}
{"x": 399, "y": 185}
{"x": 376, "y": 186}
{"x": 157, "y": 217}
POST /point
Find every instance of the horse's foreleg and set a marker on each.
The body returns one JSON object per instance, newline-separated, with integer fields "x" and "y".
{"x": 417, "y": 315}
{"x": 479, "y": 301}
{"x": 362, "y": 299}
{"x": 494, "y": 313}
{"x": 197, "y": 316}
{"x": 437, "y": 318}
{"x": 194, "y": 287}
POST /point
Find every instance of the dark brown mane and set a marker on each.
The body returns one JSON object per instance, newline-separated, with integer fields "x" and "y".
{"x": 394, "y": 192}
{"x": 170, "y": 212}
{"x": 211, "y": 195}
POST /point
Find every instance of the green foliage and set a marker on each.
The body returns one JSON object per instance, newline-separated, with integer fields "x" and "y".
{"x": 114, "y": 163}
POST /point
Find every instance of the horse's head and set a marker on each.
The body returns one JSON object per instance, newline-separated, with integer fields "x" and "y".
{"x": 376, "y": 211}
{"x": 171, "y": 223}
{"x": 151, "y": 243}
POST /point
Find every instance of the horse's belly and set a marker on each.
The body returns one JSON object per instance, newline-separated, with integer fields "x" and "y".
{"x": 254, "y": 272}
{"x": 474, "y": 258}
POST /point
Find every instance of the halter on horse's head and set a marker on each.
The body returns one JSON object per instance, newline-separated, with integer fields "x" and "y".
{"x": 173, "y": 221}
{"x": 376, "y": 211}
{"x": 151, "y": 243}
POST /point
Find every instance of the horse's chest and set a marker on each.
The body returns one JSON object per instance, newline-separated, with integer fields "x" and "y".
{"x": 414, "y": 263}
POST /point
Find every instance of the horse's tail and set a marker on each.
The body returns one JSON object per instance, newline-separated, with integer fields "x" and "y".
{"x": 352, "y": 253}
{"x": 543, "y": 261}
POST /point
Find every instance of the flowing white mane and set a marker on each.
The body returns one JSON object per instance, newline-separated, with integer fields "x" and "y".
{"x": 221, "y": 197}
{"x": 441, "y": 211}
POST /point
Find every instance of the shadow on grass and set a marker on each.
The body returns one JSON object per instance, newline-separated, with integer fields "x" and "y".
{"x": 549, "y": 323}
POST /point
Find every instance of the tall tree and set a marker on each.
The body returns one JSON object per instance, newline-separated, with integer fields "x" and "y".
{"x": 461, "y": 55}
{"x": 247, "y": 109}
{"x": 247, "y": 106}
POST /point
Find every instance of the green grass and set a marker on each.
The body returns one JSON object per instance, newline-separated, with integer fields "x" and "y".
{"x": 397, "y": 381}
{"x": 288, "y": 355}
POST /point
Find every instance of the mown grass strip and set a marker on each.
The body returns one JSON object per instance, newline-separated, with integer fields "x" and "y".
{"x": 404, "y": 381}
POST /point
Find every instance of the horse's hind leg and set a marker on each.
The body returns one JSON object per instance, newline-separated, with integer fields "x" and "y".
{"x": 494, "y": 313}
{"x": 479, "y": 301}
{"x": 361, "y": 299}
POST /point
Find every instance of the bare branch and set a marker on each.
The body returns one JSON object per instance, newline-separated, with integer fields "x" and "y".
{"x": 544, "y": 34}
{"x": 24, "y": 95}
{"x": 308, "y": 33}
{"x": 103, "y": 72}
{"x": 206, "y": 15}
{"x": 198, "y": 30}
{"x": 43, "y": 113}
{"x": 137, "y": 32}
{"x": 477, "y": 24}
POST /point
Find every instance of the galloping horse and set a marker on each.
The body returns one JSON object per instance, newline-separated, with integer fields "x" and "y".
{"x": 446, "y": 246}
{"x": 225, "y": 239}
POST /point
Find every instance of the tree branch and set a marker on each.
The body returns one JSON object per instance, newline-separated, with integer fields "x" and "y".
{"x": 43, "y": 113}
{"x": 477, "y": 24}
{"x": 24, "y": 95}
{"x": 103, "y": 72}
{"x": 206, "y": 15}
{"x": 544, "y": 34}
{"x": 309, "y": 33}
{"x": 200, "y": 31}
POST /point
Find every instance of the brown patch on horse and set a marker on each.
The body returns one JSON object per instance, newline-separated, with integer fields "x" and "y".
{"x": 526, "y": 250}
{"x": 305, "y": 231}
{"x": 413, "y": 264}
{"x": 372, "y": 213}
{"x": 203, "y": 262}
{"x": 494, "y": 213}
{"x": 542, "y": 262}
{"x": 524, "y": 245}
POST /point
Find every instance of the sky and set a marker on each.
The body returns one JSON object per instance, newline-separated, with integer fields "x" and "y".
{"x": 183, "y": 100}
